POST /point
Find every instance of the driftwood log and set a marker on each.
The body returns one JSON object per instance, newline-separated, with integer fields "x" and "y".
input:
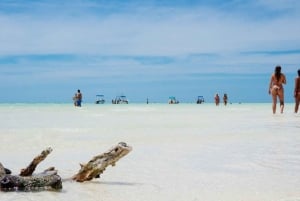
{"x": 31, "y": 167}
{"x": 49, "y": 179}
{"x": 98, "y": 163}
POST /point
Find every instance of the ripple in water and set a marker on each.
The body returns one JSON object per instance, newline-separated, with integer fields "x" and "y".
{"x": 278, "y": 157}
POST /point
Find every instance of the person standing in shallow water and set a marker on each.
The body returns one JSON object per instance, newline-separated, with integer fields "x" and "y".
{"x": 75, "y": 99}
{"x": 225, "y": 99}
{"x": 276, "y": 88}
{"x": 297, "y": 92}
{"x": 78, "y": 98}
{"x": 217, "y": 99}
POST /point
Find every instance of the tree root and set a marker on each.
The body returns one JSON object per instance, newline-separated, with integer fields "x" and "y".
{"x": 50, "y": 180}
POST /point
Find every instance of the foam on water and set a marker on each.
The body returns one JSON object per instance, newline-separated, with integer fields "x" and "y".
{"x": 180, "y": 152}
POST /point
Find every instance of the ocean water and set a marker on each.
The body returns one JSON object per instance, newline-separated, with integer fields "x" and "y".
{"x": 184, "y": 152}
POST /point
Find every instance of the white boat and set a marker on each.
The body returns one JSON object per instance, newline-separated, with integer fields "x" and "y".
{"x": 100, "y": 99}
{"x": 172, "y": 100}
{"x": 200, "y": 100}
{"x": 120, "y": 100}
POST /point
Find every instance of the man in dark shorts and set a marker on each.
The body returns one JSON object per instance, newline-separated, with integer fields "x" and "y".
{"x": 78, "y": 98}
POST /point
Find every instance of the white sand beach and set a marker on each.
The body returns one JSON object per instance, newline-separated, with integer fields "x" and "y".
{"x": 184, "y": 152}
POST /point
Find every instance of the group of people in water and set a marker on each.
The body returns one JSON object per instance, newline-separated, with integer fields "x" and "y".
{"x": 217, "y": 99}
{"x": 277, "y": 81}
{"x": 276, "y": 90}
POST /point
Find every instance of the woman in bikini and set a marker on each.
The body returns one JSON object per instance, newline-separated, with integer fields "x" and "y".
{"x": 297, "y": 92}
{"x": 217, "y": 99}
{"x": 276, "y": 88}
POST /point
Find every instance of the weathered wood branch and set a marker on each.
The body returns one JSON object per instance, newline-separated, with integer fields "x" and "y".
{"x": 49, "y": 179}
{"x": 43, "y": 181}
{"x": 2, "y": 171}
{"x": 31, "y": 167}
{"x": 98, "y": 163}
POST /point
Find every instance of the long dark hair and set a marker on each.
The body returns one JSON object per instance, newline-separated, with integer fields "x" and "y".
{"x": 277, "y": 72}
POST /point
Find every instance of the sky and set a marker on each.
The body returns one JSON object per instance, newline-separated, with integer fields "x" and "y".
{"x": 146, "y": 49}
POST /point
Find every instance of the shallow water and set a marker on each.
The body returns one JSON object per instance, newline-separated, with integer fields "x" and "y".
{"x": 180, "y": 152}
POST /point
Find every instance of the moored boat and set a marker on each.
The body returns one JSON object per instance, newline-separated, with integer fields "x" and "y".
{"x": 120, "y": 100}
{"x": 100, "y": 99}
{"x": 200, "y": 100}
{"x": 172, "y": 100}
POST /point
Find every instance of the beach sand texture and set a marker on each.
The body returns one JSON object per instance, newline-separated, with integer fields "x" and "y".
{"x": 184, "y": 152}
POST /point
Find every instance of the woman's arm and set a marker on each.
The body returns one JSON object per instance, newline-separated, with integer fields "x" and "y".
{"x": 284, "y": 79}
{"x": 270, "y": 85}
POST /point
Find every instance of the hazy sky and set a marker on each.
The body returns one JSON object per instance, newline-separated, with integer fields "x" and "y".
{"x": 146, "y": 48}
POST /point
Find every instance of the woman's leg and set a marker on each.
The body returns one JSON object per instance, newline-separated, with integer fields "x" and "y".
{"x": 297, "y": 102}
{"x": 281, "y": 99}
{"x": 274, "y": 98}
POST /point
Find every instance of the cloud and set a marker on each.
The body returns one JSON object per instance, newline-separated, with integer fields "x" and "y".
{"x": 148, "y": 30}
{"x": 110, "y": 39}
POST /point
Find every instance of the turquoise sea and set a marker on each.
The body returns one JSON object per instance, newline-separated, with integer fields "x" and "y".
{"x": 180, "y": 152}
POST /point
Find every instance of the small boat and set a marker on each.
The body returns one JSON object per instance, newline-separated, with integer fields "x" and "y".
{"x": 172, "y": 100}
{"x": 120, "y": 100}
{"x": 100, "y": 99}
{"x": 200, "y": 100}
